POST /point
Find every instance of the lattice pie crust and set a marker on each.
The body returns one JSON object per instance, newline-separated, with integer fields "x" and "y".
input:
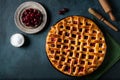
{"x": 75, "y": 46}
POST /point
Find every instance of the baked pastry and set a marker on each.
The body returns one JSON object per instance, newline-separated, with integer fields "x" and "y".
{"x": 75, "y": 46}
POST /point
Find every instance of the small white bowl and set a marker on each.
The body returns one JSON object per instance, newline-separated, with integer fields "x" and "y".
{"x": 17, "y": 40}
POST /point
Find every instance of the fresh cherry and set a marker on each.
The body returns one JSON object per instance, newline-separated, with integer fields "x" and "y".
{"x": 63, "y": 11}
{"x": 32, "y": 17}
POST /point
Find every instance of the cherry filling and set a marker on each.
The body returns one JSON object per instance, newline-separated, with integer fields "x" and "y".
{"x": 100, "y": 38}
{"x": 73, "y": 35}
{"x": 80, "y": 29}
{"x": 71, "y": 53}
{"x": 74, "y": 22}
{"x": 98, "y": 57}
{"x": 91, "y": 57}
{"x": 74, "y": 29}
{"x": 91, "y": 50}
{"x": 89, "y": 63}
{"x": 94, "y": 31}
{"x": 67, "y": 68}
{"x": 65, "y": 47}
{"x": 93, "y": 38}
{"x": 81, "y": 69}
{"x": 81, "y": 23}
{"x": 85, "y": 37}
{"x": 100, "y": 51}
{"x": 58, "y": 46}
{"x": 72, "y": 42}
{"x": 32, "y": 17}
{"x": 60, "y": 32}
{"x": 83, "y": 55}
{"x": 76, "y": 61}
{"x": 84, "y": 44}
{"x": 66, "y": 34}
{"x": 62, "y": 59}
{"x": 100, "y": 45}
{"x": 69, "y": 60}
{"x": 55, "y": 62}
{"x": 82, "y": 62}
{"x": 59, "y": 40}
{"x": 92, "y": 44}
{"x": 52, "y": 45}
{"x": 52, "y": 51}
{"x": 60, "y": 66}
{"x": 58, "y": 52}
{"x": 78, "y": 43}
{"x": 67, "y": 27}
{"x": 86, "y": 30}
{"x": 53, "y": 39}
{"x": 65, "y": 41}
{"x": 64, "y": 53}
{"x": 57, "y": 57}
{"x": 84, "y": 49}
{"x": 79, "y": 36}
{"x": 74, "y": 69}
{"x": 61, "y": 26}
{"x": 78, "y": 48}
{"x": 77, "y": 55}
{"x": 72, "y": 48}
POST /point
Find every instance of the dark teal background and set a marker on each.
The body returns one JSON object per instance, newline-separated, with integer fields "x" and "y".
{"x": 30, "y": 61}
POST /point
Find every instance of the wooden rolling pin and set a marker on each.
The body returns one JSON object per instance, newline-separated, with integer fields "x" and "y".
{"x": 107, "y": 8}
{"x": 96, "y": 14}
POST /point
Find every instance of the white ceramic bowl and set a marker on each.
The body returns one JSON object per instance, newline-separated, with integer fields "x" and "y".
{"x": 17, "y": 40}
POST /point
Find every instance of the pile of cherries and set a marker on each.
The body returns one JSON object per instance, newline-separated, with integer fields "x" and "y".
{"x": 31, "y": 17}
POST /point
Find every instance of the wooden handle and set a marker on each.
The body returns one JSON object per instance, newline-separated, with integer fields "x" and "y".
{"x": 93, "y": 12}
{"x": 112, "y": 17}
{"x": 96, "y": 14}
{"x": 107, "y": 8}
{"x": 110, "y": 25}
{"x": 105, "y": 5}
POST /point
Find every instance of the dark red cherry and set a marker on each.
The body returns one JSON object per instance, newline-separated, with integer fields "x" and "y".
{"x": 63, "y": 11}
{"x": 31, "y": 17}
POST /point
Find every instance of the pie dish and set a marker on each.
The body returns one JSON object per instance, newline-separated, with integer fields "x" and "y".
{"x": 21, "y": 9}
{"x": 75, "y": 46}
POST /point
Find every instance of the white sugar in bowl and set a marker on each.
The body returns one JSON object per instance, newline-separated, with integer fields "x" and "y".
{"x": 17, "y": 40}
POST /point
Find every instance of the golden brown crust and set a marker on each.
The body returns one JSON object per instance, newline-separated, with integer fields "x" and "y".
{"x": 75, "y": 46}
